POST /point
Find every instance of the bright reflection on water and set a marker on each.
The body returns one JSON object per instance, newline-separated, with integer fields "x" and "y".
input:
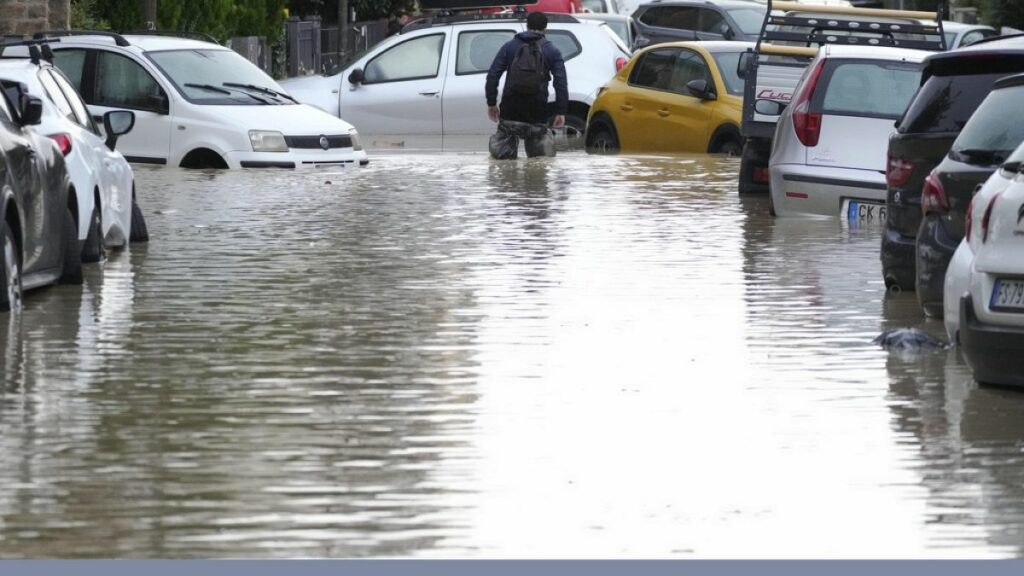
{"x": 449, "y": 356}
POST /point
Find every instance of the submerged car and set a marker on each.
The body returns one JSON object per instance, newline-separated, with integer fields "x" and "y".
{"x": 104, "y": 200}
{"x": 828, "y": 154}
{"x": 38, "y": 237}
{"x": 424, "y": 88}
{"x": 675, "y": 97}
{"x": 198, "y": 104}
{"x": 993, "y": 132}
{"x": 986, "y": 280}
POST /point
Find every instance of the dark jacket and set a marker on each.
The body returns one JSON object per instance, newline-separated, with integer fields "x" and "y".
{"x": 552, "y": 58}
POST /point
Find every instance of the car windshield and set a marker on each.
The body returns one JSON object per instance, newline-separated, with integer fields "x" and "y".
{"x": 218, "y": 76}
{"x": 728, "y": 63}
{"x": 748, "y": 19}
{"x": 994, "y": 130}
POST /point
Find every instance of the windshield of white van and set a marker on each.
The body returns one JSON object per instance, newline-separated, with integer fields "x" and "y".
{"x": 218, "y": 76}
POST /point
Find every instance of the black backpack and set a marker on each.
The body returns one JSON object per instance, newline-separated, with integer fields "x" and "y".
{"x": 527, "y": 75}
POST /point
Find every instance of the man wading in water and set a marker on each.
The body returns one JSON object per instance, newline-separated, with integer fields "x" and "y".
{"x": 530, "y": 61}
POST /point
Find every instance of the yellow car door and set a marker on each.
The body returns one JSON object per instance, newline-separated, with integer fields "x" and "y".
{"x": 687, "y": 116}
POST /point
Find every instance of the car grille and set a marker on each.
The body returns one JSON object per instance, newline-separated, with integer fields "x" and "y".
{"x": 338, "y": 141}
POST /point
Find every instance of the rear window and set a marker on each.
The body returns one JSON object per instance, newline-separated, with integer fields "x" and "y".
{"x": 872, "y": 89}
{"x": 996, "y": 128}
{"x": 748, "y": 19}
{"x": 679, "y": 17}
{"x": 944, "y": 103}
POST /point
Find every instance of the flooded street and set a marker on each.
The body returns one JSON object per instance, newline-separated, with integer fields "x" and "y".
{"x": 448, "y": 356}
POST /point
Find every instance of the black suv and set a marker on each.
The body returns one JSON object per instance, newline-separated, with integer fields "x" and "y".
{"x": 38, "y": 235}
{"x": 953, "y": 84}
{"x": 676, "y": 20}
{"x": 986, "y": 141}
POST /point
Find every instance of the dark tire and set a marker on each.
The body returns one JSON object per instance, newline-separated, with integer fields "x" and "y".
{"x": 571, "y": 136}
{"x": 95, "y": 248}
{"x": 10, "y": 270}
{"x": 751, "y": 157}
{"x": 601, "y": 139}
{"x": 771, "y": 205}
{"x": 140, "y": 233}
{"x": 72, "y": 273}
{"x": 730, "y": 147}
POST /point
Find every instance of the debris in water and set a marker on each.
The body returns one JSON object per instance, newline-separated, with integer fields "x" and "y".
{"x": 908, "y": 339}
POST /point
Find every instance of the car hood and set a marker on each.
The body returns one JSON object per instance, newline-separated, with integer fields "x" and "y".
{"x": 315, "y": 90}
{"x": 290, "y": 119}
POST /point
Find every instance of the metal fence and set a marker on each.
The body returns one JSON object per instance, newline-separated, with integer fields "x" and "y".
{"x": 313, "y": 49}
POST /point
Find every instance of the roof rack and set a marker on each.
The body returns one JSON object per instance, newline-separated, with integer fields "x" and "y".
{"x": 36, "y": 49}
{"x": 118, "y": 39}
{"x": 174, "y": 33}
{"x": 859, "y": 26}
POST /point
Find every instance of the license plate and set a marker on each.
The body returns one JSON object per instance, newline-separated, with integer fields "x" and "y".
{"x": 862, "y": 211}
{"x": 1008, "y": 295}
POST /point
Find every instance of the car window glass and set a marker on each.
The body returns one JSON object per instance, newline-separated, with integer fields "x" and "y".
{"x": 75, "y": 99}
{"x": 749, "y": 20}
{"x": 477, "y": 49}
{"x": 944, "y": 103}
{"x": 123, "y": 83}
{"x": 416, "y": 58}
{"x": 711, "y": 21}
{"x": 971, "y": 37}
{"x": 71, "y": 63}
{"x": 595, "y": 6}
{"x": 728, "y": 65}
{"x": 869, "y": 89}
{"x": 654, "y": 70}
{"x": 681, "y": 17}
{"x": 566, "y": 43}
{"x": 53, "y": 94}
{"x": 688, "y": 66}
{"x": 950, "y": 40}
{"x": 997, "y": 125}
{"x": 5, "y": 114}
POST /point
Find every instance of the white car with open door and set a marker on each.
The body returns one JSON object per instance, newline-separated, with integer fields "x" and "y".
{"x": 103, "y": 182}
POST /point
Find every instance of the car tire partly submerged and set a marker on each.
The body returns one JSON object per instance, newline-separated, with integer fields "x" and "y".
{"x": 571, "y": 136}
{"x": 139, "y": 232}
{"x": 95, "y": 247}
{"x": 601, "y": 139}
{"x": 10, "y": 270}
{"x": 72, "y": 269}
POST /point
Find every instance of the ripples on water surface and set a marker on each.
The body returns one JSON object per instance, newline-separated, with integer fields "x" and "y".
{"x": 450, "y": 356}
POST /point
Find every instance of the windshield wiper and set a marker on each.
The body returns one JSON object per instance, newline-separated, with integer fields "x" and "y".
{"x": 982, "y": 156}
{"x": 209, "y": 87}
{"x": 262, "y": 89}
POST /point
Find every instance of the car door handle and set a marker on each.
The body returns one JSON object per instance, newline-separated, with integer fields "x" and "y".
{"x": 626, "y": 107}
{"x": 663, "y": 112}
{"x": 429, "y": 93}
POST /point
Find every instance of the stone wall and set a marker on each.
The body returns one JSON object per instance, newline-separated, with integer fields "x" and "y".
{"x": 28, "y": 16}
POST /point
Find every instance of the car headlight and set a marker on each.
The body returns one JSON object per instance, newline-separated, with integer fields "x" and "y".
{"x": 357, "y": 144}
{"x": 267, "y": 141}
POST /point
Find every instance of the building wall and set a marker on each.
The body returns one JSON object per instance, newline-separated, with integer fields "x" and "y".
{"x": 28, "y": 16}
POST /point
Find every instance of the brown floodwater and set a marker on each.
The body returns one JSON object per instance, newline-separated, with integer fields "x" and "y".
{"x": 448, "y": 356}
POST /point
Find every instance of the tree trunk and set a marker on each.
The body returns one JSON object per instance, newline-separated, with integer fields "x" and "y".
{"x": 343, "y": 30}
{"x": 149, "y": 14}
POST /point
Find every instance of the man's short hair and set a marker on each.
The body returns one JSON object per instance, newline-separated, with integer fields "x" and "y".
{"x": 537, "y": 21}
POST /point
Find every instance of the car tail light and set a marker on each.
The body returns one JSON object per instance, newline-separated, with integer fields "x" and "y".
{"x": 898, "y": 171}
{"x": 933, "y": 197}
{"x": 761, "y": 175}
{"x": 806, "y": 123}
{"x": 63, "y": 142}
{"x": 987, "y": 217}
{"x": 620, "y": 63}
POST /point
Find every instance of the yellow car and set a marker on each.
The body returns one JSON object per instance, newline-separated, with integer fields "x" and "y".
{"x": 674, "y": 97}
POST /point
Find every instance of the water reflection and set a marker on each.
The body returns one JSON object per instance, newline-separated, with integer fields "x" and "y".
{"x": 452, "y": 356}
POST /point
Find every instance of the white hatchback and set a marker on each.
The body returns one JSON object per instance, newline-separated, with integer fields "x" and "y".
{"x": 424, "y": 88}
{"x": 105, "y": 208}
{"x": 984, "y": 287}
{"x": 198, "y": 104}
{"x": 829, "y": 153}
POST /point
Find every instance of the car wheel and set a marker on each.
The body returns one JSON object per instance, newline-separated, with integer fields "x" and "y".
{"x": 72, "y": 272}
{"x": 601, "y": 139}
{"x": 10, "y": 271}
{"x": 570, "y": 136}
{"x": 730, "y": 148}
{"x": 139, "y": 233}
{"x": 750, "y": 158}
{"x": 95, "y": 246}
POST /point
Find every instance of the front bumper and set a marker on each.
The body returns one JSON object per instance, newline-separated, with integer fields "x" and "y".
{"x": 297, "y": 159}
{"x": 820, "y": 190}
{"x": 994, "y": 353}
{"x": 934, "y": 249}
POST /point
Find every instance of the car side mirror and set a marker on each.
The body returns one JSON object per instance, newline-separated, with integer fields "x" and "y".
{"x": 767, "y": 107}
{"x": 117, "y": 123}
{"x": 31, "y": 110}
{"x": 356, "y": 76}
{"x": 700, "y": 89}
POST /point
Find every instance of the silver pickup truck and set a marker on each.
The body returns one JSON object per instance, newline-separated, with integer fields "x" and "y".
{"x": 789, "y": 39}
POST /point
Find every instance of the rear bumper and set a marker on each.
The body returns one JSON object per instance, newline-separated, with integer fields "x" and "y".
{"x": 800, "y": 189}
{"x": 934, "y": 250}
{"x": 994, "y": 353}
{"x": 898, "y": 259}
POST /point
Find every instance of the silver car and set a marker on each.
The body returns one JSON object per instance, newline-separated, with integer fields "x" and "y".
{"x": 828, "y": 156}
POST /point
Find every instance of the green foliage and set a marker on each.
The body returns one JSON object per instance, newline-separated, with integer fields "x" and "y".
{"x": 1003, "y": 13}
{"x": 85, "y": 15}
{"x": 221, "y": 19}
{"x": 120, "y": 14}
{"x": 365, "y": 9}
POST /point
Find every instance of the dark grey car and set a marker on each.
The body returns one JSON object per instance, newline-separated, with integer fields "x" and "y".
{"x": 676, "y": 20}
{"x": 989, "y": 137}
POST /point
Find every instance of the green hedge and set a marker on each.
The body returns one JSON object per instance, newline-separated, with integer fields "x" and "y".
{"x": 219, "y": 18}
